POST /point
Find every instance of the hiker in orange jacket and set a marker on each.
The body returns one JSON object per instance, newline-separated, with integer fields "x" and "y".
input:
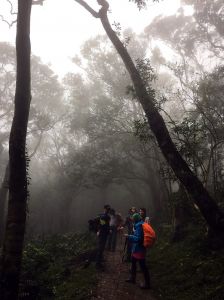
{"x": 138, "y": 252}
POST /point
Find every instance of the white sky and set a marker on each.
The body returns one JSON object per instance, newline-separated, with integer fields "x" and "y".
{"x": 59, "y": 27}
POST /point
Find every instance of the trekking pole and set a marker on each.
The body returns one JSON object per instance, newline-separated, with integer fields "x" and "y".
{"x": 124, "y": 250}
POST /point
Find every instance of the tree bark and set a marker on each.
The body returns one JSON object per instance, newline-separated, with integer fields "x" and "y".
{"x": 182, "y": 214}
{"x": 3, "y": 200}
{"x": 16, "y": 218}
{"x": 207, "y": 205}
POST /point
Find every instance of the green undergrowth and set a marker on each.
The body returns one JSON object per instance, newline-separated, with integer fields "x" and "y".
{"x": 58, "y": 267}
{"x": 186, "y": 270}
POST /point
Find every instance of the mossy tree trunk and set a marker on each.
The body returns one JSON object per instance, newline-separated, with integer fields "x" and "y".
{"x": 16, "y": 218}
{"x": 182, "y": 214}
{"x": 208, "y": 207}
{"x": 3, "y": 200}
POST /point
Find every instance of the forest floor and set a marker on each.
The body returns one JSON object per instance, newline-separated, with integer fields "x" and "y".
{"x": 63, "y": 267}
{"x": 111, "y": 282}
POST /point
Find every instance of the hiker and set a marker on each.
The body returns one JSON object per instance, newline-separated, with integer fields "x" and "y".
{"x": 115, "y": 228}
{"x": 129, "y": 224}
{"x": 112, "y": 238}
{"x": 142, "y": 212}
{"x": 119, "y": 227}
{"x": 138, "y": 252}
{"x": 102, "y": 233}
{"x": 119, "y": 221}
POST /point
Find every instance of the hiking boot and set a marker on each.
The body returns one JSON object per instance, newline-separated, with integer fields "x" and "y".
{"x": 145, "y": 286}
{"x": 130, "y": 280}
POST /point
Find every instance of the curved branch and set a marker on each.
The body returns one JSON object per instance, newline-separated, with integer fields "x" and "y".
{"x": 88, "y": 8}
{"x": 11, "y": 8}
{"x": 8, "y": 23}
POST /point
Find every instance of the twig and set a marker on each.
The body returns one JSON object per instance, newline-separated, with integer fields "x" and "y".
{"x": 37, "y": 2}
{"x": 8, "y": 23}
{"x": 11, "y": 8}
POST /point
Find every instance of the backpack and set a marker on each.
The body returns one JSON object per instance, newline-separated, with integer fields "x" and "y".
{"x": 94, "y": 224}
{"x": 149, "y": 235}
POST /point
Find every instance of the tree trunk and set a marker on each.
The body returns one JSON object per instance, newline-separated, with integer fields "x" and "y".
{"x": 203, "y": 200}
{"x": 182, "y": 214}
{"x": 157, "y": 193}
{"x": 3, "y": 199}
{"x": 16, "y": 219}
{"x": 207, "y": 206}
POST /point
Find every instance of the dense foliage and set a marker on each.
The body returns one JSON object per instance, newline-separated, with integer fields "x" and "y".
{"x": 54, "y": 267}
{"x": 190, "y": 269}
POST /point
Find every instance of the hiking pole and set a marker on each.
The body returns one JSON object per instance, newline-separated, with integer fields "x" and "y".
{"x": 124, "y": 250}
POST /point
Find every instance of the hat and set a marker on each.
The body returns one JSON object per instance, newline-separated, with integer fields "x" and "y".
{"x": 136, "y": 217}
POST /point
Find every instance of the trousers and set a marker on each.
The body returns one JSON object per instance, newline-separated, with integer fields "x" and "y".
{"x": 143, "y": 267}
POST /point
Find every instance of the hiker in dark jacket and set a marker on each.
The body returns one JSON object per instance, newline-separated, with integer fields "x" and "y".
{"x": 138, "y": 252}
{"x": 102, "y": 233}
{"x": 112, "y": 238}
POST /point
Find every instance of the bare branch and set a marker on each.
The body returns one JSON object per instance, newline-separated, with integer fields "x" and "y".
{"x": 88, "y": 8}
{"x": 11, "y": 8}
{"x": 10, "y": 24}
{"x": 37, "y": 2}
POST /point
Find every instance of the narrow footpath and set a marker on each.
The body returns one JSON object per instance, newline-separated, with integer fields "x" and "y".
{"x": 112, "y": 285}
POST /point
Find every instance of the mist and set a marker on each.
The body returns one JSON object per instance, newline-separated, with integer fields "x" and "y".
{"x": 132, "y": 118}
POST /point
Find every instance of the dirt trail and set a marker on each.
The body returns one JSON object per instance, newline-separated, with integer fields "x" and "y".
{"x": 112, "y": 283}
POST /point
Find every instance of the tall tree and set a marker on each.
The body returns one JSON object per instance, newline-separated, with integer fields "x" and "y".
{"x": 16, "y": 219}
{"x": 203, "y": 200}
{"x": 194, "y": 40}
{"x": 3, "y": 196}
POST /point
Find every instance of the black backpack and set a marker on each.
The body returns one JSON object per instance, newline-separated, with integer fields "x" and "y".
{"x": 94, "y": 225}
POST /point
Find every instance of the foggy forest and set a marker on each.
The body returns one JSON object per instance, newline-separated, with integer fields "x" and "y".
{"x": 112, "y": 159}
